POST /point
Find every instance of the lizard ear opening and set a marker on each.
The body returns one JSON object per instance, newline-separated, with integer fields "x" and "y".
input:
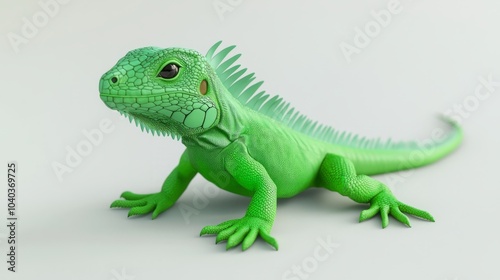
{"x": 203, "y": 87}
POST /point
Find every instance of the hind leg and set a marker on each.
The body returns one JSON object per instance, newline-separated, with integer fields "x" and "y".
{"x": 338, "y": 174}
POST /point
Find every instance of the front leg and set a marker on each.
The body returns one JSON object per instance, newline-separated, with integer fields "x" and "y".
{"x": 261, "y": 212}
{"x": 338, "y": 174}
{"x": 175, "y": 184}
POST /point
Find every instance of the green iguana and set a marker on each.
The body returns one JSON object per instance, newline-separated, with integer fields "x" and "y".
{"x": 247, "y": 142}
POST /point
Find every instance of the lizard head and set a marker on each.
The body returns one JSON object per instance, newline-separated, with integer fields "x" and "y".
{"x": 166, "y": 91}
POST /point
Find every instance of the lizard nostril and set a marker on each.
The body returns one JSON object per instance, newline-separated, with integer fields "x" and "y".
{"x": 114, "y": 80}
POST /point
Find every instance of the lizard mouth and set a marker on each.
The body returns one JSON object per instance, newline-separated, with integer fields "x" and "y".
{"x": 186, "y": 109}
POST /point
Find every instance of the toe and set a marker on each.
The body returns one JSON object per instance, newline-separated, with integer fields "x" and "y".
{"x": 127, "y": 203}
{"x": 369, "y": 213}
{"x": 141, "y": 210}
{"x": 160, "y": 208}
{"x": 133, "y": 196}
{"x": 237, "y": 237}
{"x": 269, "y": 239}
{"x": 384, "y": 213}
{"x": 225, "y": 234}
{"x": 416, "y": 212}
{"x": 398, "y": 215}
{"x": 250, "y": 239}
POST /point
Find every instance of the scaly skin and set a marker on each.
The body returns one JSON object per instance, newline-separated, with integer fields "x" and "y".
{"x": 261, "y": 151}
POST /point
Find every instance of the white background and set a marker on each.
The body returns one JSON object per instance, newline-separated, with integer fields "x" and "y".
{"x": 428, "y": 59}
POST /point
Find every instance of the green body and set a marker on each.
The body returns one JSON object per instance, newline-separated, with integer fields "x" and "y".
{"x": 249, "y": 143}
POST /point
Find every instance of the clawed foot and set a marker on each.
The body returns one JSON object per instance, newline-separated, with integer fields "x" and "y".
{"x": 141, "y": 204}
{"x": 386, "y": 204}
{"x": 241, "y": 230}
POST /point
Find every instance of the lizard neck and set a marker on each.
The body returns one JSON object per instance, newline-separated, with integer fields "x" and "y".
{"x": 229, "y": 128}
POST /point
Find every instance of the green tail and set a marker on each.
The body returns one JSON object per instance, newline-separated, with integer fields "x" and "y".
{"x": 380, "y": 160}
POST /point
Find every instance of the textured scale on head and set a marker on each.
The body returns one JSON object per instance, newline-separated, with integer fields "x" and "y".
{"x": 166, "y": 91}
{"x": 140, "y": 86}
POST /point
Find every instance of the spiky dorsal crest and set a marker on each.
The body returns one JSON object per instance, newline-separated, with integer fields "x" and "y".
{"x": 246, "y": 91}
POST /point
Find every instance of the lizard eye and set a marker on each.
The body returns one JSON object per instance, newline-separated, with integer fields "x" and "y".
{"x": 169, "y": 71}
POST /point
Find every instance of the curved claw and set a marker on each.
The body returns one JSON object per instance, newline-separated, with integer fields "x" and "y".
{"x": 269, "y": 239}
{"x": 398, "y": 215}
{"x": 386, "y": 204}
{"x": 416, "y": 212}
{"x": 141, "y": 204}
{"x": 241, "y": 231}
